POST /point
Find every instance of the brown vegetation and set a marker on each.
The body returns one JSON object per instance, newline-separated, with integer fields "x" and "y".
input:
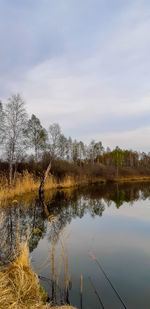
{"x": 65, "y": 175}
{"x": 26, "y": 183}
{"x": 19, "y": 286}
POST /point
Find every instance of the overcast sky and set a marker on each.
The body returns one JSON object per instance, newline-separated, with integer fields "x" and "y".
{"x": 84, "y": 64}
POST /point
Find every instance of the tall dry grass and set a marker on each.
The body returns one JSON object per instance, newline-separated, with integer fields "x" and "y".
{"x": 24, "y": 184}
{"x": 19, "y": 285}
{"x": 27, "y": 183}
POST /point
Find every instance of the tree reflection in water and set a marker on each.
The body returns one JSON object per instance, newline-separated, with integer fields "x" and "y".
{"x": 64, "y": 205}
{"x": 49, "y": 215}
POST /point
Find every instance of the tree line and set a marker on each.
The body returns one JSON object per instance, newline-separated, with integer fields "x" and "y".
{"x": 23, "y": 139}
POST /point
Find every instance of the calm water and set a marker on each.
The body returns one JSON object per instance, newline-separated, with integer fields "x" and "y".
{"x": 112, "y": 221}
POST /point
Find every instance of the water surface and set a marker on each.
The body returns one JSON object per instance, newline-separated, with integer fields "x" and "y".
{"x": 112, "y": 221}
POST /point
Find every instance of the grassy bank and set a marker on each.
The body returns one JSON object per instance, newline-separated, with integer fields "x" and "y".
{"x": 19, "y": 286}
{"x": 27, "y": 183}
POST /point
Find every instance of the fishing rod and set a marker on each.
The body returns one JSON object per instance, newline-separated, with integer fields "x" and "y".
{"x": 105, "y": 275}
{"x": 93, "y": 286}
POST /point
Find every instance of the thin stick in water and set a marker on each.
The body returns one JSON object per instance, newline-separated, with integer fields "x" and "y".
{"x": 95, "y": 291}
{"x": 102, "y": 270}
{"x": 81, "y": 290}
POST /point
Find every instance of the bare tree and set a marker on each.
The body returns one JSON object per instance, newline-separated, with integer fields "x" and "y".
{"x": 82, "y": 151}
{"x": 75, "y": 151}
{"x": 95, "y": 149}
{"x": 37, "y": 135}
{"x": 15, "y": 125}
{"x": 69, "y": 147}
{"x": 63, "y": 147}
{"x": 54, "y": 139}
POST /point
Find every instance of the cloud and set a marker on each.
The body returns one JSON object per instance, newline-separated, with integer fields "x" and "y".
{"x": 84, "y": 65}
{"x": 137, "y": 140}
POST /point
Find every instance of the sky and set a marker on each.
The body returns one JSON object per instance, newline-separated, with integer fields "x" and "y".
{"x": 83, "y": 64}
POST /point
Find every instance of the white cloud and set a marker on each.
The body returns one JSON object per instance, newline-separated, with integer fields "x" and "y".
{"x": 52, "y": 89}
{"x": 137, "y": 140}
{"x": 96, "y": 75}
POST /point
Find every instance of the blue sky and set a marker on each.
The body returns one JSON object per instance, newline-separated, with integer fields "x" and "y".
{"x": 84, "y": 64}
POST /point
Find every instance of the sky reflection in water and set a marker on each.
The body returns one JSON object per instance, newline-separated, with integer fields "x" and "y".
{"x": 114, "y": 222}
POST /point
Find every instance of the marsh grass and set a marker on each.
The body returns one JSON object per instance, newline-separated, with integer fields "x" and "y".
{"x": 27, "y": 183}
{"x": 19, "y": 285}
{"x": 58, "y": 263}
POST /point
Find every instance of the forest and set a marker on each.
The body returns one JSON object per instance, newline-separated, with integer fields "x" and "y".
{"x": 26, "y": 148}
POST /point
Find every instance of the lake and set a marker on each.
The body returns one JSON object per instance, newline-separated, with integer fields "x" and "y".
{"x": 111, "y": 222}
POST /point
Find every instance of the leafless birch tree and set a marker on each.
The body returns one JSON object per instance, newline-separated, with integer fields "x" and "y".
{"x": 15, "y": 125}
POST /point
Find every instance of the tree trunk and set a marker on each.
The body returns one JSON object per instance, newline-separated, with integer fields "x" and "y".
{"x": 10, "y": 173}
{"x": 41, "y": 188}
{"x": 15, "y": 173}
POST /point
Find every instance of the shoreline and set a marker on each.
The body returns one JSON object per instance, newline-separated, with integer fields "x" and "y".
{"x": 27, "y": 184}
{"x": 20, "y": 286}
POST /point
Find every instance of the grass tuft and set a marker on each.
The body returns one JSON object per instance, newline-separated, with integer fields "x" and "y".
{"x": 19, "y": 285}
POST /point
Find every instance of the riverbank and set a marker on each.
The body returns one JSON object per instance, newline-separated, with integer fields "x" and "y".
{"x": 27, "y": 183}
{"x": 20, "y": 287}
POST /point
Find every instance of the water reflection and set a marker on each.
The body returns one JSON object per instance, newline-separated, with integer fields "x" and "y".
{"x": 64, "y": 205}
{"x": 45, "y": 218}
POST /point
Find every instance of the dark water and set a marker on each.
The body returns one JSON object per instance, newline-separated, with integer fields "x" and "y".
{"x": 112, "y": 221}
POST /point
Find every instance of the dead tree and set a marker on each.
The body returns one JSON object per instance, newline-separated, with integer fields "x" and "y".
{"x": 41, "y": 188}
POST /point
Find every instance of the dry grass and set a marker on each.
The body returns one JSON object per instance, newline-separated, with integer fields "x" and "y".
{"x": 24, "y": 184}
{"x": 19, "y": 286}
{"x": 27, "y": 183}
